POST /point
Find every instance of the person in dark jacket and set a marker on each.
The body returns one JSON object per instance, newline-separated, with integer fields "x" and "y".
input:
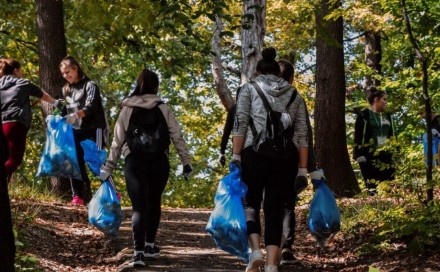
{"x": 262, "y": 173}
{"x": 83, "y": 109}
{"x": 16, "y": 110}
{"x": 229, "y": 124}
{"x": 373, "y": 127}
{"x": 145, "y": 176}
{"x": 287, "y": 257}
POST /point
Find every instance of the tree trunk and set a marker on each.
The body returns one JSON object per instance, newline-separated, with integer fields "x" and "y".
{"x": 51, "y": 50}
{"x": 373, "y": 57}
{"x": 330, "y": 130}
{"x": 252, "y": 37}
{"x": 217, "y": 67}
{"x": 7, "y": 243}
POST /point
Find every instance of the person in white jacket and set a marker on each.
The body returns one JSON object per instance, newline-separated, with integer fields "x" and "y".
{"x": 146, "y": 173}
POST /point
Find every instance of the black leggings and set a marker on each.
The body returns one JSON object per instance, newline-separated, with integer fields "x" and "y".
{"x": 146, "y": 181}
{"x": 274, "y": 177}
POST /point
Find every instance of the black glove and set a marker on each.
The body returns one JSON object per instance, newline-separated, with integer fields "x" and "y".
{"x": 187, "y": 170}
{"x": 57, "y": 105}
{"x": 222, "y": 160}
{"x": 301, "y": 181}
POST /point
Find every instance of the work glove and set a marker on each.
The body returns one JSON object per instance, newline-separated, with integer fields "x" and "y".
{"x": 235, "y": 162}
{"x": 57, "y": 105}
{"x": 301, "y": 180}
{"x": 317, "y": 175}
{"x": 222, "y": 160}
{"x": 187, "y": 170}
{"x": 361, "y": 159}
{"x": 103, "y": 175}
{"x": 71, "y": 118}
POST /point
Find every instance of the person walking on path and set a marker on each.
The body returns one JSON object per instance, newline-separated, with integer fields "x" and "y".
{"x": 84, "y": 110}
{"x": 147, "y": 167}
{"x": 373, "y": 127}
{"x": 287, "y": 257}
{"x": 263, "y": 173}
{"x": 16, "y": 110}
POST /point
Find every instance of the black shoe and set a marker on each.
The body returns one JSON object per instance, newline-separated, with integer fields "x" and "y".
{"x": 152, "y": 252}
{"x": 287, "y": 257}
{"x": 137, "y": 261}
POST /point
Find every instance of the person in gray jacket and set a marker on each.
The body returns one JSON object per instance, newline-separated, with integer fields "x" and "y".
{"x": 16, "y": 110}
{"x": 145, "y": 176}
{"x": 271, "y": 175}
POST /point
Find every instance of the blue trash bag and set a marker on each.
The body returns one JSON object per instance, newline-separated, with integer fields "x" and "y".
{"x": 93, "y": 156}
{"x": 59, "y": 154}
{"x": 227, "y": 222}
{"x": 324, "y": 215}
{"x": 435, "y": 143}
{"x": 105, "y": 210}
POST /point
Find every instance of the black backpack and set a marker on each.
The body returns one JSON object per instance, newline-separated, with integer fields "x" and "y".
{"x": 277, "y": 141}
{"x": 147, "y": 135}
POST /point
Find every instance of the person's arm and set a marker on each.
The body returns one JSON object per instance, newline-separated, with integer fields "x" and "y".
{"x": 241, "y": 122}
{"x": 93, "y": 100}
{"x": 359, "y": 128}
{"x": 227, "y": 129}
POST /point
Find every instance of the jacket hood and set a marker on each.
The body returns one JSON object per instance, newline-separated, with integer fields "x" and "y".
{"x": 147, "y": 101}
{"x": 273, "y": 85}
{"x": 7, "y": 81}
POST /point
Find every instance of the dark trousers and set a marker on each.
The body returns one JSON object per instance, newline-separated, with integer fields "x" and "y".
{"x": 79, "y": 136}
{"x": 15, "y": 136}
{"x": 376, "y": 169}
{"x": 289, "y": 222}
{"x": 273, "y": 177}
{"x": 146, "y": 181}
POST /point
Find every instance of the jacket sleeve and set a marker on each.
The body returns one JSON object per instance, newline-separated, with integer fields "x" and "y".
{"x": 300, "y": 123}
{"x": 227, "y": 129}
{"x": 93, "y": 99}
{"x": 359, "y": 132}
{"x": 118, "y": 139}
{"x": 176, "y": 134}
{"x": 312, "y": 164}
{"x": 242, "y": 115}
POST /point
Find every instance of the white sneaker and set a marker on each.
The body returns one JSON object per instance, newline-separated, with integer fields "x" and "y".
{"x": 255, "y": 261}
{"x": 270, "y": 268}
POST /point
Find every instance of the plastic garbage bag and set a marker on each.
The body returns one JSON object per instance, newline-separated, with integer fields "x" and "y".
{"x": 227, "y": 223}
{"x": 324, "y": 215}
{"x": 435, "y": 145}
{"x": 105, "y": 210}
{"x": 93, "y": 156}
{"x": 59, "y": 154}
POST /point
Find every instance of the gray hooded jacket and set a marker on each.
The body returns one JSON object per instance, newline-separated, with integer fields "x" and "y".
{"x": 119, "y": 145}
{"x": 278, "y": 92}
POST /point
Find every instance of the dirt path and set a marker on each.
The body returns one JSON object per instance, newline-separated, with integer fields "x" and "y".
{"x": 62, "y": 240}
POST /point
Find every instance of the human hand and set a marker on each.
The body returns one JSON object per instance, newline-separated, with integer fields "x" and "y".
{"x": 317, "y": 175}
{"x": 104, "y": 175}
{"x": 222, "y": 160}
{"x": 361, "y": 159}
{"x": 301, "y": 180}
{"x": 71, "y": 118}
{"x": 57, "y": 105}
{"x": 235, "y": 162}
{"x": 187, "y": 170}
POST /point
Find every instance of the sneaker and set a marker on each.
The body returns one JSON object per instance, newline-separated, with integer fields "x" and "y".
{"x": 137, "y": 261}
{"x": 287, "y": 257}
{"x": 255, "y": 261}
{"x": 152, "y": 252}
{"x": 77, "y": 201}
{"x": 270, "y": 268}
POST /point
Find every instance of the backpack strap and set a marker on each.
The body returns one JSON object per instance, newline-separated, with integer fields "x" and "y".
{"x": 267, "y": 105}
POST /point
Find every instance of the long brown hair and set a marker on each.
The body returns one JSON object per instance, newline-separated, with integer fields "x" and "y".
{"x": 146, "y": 83}
{"x": 72, "y": 63}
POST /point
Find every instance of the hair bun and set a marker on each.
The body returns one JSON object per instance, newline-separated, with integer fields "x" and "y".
{"x": 269, "y": 54}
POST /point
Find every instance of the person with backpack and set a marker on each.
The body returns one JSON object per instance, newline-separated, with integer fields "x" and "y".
{"x": 287, "y": 257}
{"x": 142, "y": 134}
{"x": 83, "y": 109}
{"x": 373, "y": 127}
{"x": 270, "y": 114}
{"x": 16, "y": 111}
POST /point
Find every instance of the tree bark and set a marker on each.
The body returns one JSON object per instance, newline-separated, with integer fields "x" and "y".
{"x": 330, "y": 129}
{"x": 217, "y": 67}
{"x": 51, "y": 50}
{"x": 373, "y": 57}
{"x": 252, "y": 37}
{"x": 7, "y": 242}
